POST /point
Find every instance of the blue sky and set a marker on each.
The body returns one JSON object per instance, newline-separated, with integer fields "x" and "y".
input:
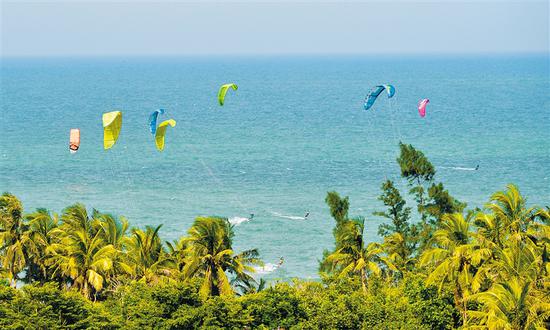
{"x": 259, "y": 27}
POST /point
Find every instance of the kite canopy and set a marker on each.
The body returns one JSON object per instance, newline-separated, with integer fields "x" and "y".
{"x": 112, "y": 123}
{"x": 161, "y": 131}
{"x": 74, "y": 140}
{"x": 390, "y": 90}
{"x": 223, "y": 91}
{"x": 153, "y": 120}
{"x": 375, "y": 92}
{"x": 422, "y": 107}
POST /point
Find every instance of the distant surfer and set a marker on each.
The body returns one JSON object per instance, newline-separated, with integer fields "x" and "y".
{"x": 281, "y": 261}
{"x": 307, "y": 215}
{"x": 477, "y": 167}
{"x": 251, "y": 216}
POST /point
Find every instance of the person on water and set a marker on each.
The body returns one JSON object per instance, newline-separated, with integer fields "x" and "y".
{"x": 477, "y": 167}
{"x": 307, "y": 215}
{"x": 281, "y": 260}
{"x": 251, "y": 216}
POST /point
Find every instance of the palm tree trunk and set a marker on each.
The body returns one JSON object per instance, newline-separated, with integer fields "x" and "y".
{"x": 363, "y": 281}
{"x": 459, "y": 302}
{"x": 85, "y": 289}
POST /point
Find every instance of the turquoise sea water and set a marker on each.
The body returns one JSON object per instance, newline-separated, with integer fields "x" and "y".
{"x": 294, "y": 130}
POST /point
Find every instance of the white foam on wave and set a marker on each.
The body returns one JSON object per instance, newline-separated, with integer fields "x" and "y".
{"x": 235, "y": 221}
{"x": 291, "y": 217}
{"x": 266, "y": 269}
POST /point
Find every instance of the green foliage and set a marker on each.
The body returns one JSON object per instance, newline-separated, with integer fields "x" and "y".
{"x": 435, "y": 309}
{"x": 81, "y": 253}
{"x": 13, "y": 239}
{"x": 482, "y": 268}
{"x": 146, "y": 259}
{"x": 415, "y": 167}
{"x": 209, "y": 255}
{"x": 339, "y": 207}
{"x": 41, "y": 234}
{"x": 397, "y": 212}
{"x": 355, "y": 256}
{"x": 432, "y": 199}
{"x": 440, "y": 202}
{"x": 44, "y": 307}
{"x": 400, "y": 237}
{"x": 278, "y": 306}
{"x": 498, "y": 273}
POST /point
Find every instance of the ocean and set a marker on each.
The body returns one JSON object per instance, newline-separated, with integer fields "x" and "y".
{"x": 294, "y": 130}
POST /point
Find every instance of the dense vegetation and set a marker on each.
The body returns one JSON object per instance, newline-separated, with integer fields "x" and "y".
{"x": 438, "y": 266}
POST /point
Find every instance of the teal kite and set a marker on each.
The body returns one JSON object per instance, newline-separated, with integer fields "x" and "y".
{"x": 153, "y": 118}
{"x": 375, "y": 92}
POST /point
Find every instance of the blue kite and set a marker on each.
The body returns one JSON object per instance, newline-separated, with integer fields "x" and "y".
{"x": 153, "y": 120}
{"x": 377, "y": 90}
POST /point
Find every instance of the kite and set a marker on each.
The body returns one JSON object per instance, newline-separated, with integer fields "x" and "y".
{"x": 153, "y": 120}
{"x": 112, "y": 123}
{"x": 375, "y": 92}
{"x": 422, "y": 107}
{"x": 161, "y": 131}
{"x": 223, "y": 91}
{"x": 74, "y": 140}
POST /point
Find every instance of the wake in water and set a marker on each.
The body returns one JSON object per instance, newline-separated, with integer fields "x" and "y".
{"x": 266, "y": 269}
{"x": 236, "y": 221}
{"x": 291, "y": 217}
{"x": 269, "y": 267}
{"x": 458, "y": 168}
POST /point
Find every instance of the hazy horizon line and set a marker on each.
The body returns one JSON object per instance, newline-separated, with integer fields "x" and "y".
{"x": 282, "y": 54}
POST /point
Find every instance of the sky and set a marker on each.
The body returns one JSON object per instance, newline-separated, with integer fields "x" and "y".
{"x": 103, "y": 28}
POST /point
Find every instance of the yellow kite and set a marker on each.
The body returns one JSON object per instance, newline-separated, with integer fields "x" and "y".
{"x": 223, "y": 91}
{"x": 161, "y": 131}
{"x": 112, "y": 123}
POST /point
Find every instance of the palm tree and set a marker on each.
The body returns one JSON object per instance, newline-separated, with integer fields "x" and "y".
{"x": 113, "y": 231}
{"x": 456, "y": 258}
{"x": 81, "y": 254}
{"x": 13, "y": 238}
{"x": 491, "y": 228}
{"x": 509, "y": 209}
{"x": 146, "y": 258}
{"x": 177, "y": 252}
{"x": 41, "y": 233}
{"x": 511, "y": 305}
{"x": 518, "y": 259}
{"x": 353, "y": 257}
{"x": 248, "y": 287}
{"x": 210, "y": 255}
{"x": 399, "y": 252}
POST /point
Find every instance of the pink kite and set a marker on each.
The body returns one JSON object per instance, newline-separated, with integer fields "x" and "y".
{"x": 422, "y": 107}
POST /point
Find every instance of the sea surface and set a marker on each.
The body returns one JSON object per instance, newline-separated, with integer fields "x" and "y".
{"x": 294, "y": 130}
